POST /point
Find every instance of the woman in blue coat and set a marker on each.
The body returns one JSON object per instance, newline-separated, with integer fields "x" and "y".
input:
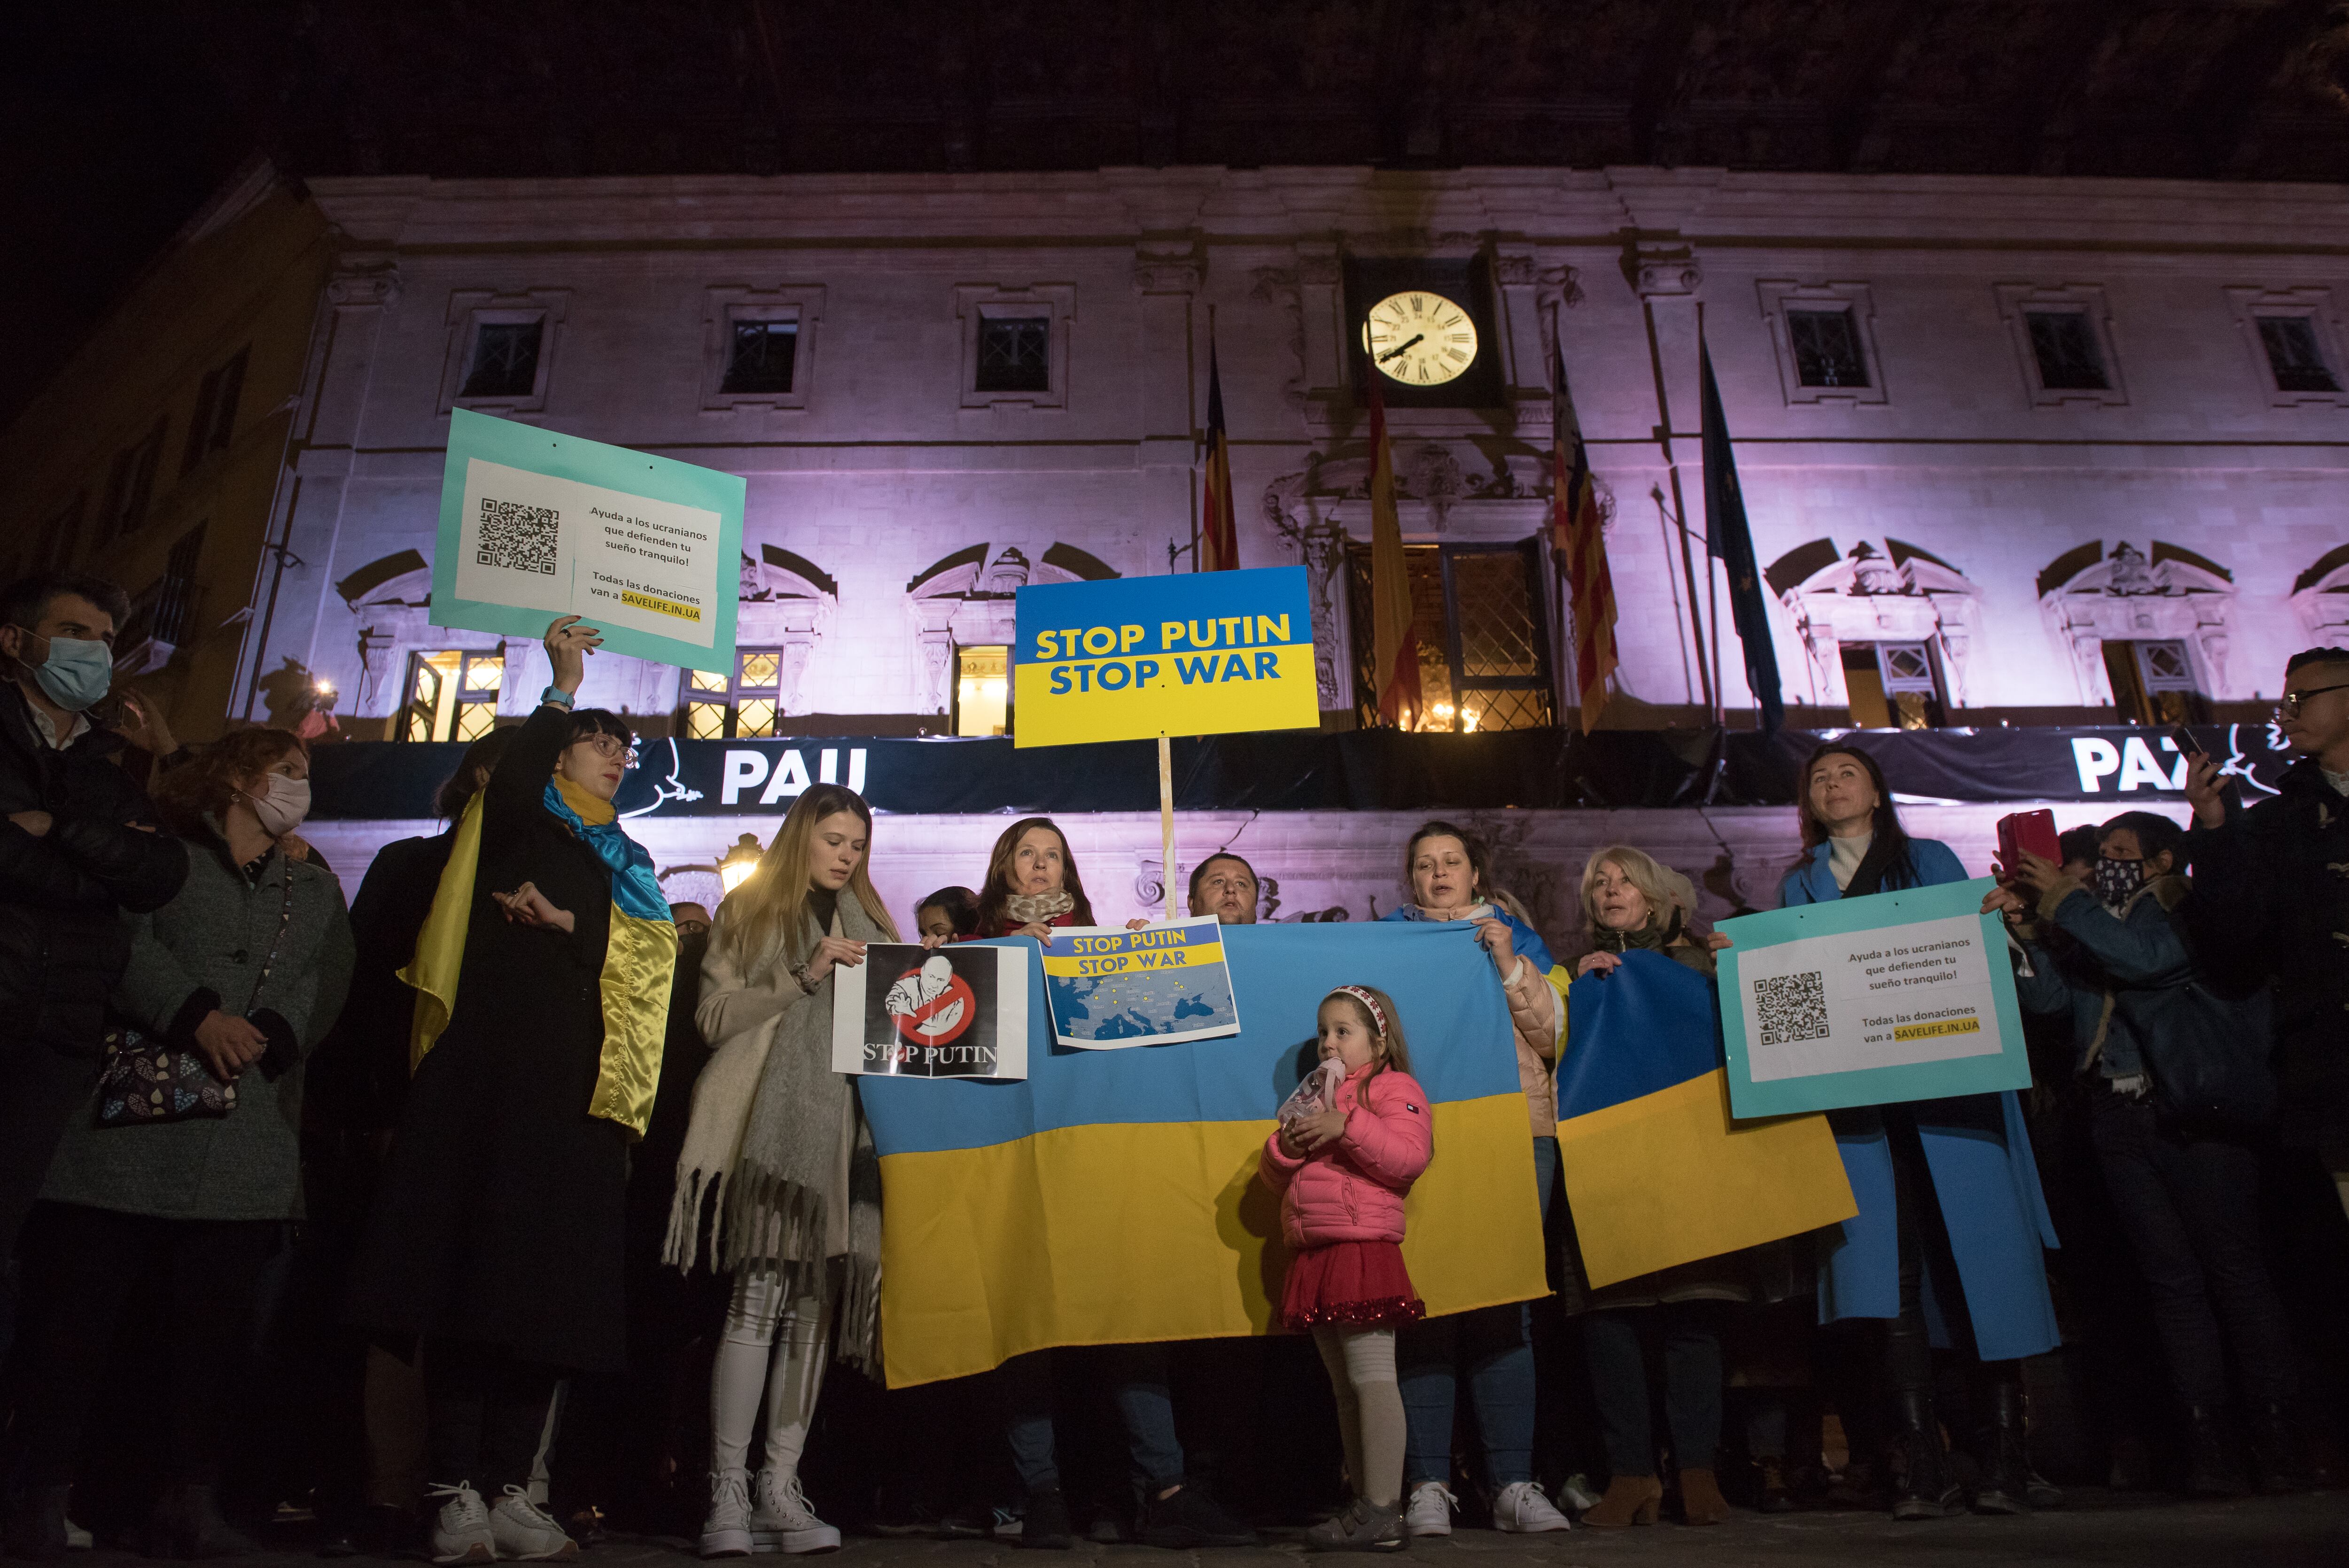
{"x": 1947, "y": 1243}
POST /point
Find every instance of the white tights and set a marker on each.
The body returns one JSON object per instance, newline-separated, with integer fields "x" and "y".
{"x": 1362, "y": 1368}
{"x": 772, "y": 1352}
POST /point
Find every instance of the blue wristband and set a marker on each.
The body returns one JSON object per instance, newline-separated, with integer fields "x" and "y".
{"x": 557, "y": 696}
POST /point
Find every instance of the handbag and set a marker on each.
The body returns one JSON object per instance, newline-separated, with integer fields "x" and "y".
{"x": 2207, "y": 1056}
{"x": 146, "y": 1082}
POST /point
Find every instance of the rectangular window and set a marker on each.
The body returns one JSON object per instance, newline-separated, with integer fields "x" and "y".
{"x": 452, "y": 695}
{"x": 747, "y": 706}
{"x": 505, "y": 359}
{"x": 1476, "y": 610}
{"x": 2294, "y": 356}
{"x": 215, "y": 421}
{"x": 1892, "y": 686}
{"x": 2153, "y": 683}
{"x": 2064, "y": 342}
{"x": 56, "y": 545}
{"x": 982, "y": 689}
{"x": 1015, "y": 354}
{"x": 1827, "y": 348}
{"x": 162, "y": 612}
{"x": 761, "y": 355}
{"x": 131, "y": 485}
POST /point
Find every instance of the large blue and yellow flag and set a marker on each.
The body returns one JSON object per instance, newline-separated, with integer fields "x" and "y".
{"x": 1657, "y": 1171}
{"x": 1111, "y": 1197}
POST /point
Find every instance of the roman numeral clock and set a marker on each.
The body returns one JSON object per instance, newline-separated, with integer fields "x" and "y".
{"x": 1423, "y": 331}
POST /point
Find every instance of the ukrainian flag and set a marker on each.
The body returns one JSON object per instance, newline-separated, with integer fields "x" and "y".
{"x": 1657, "y": 1171}
{"x": 1111, "y": 1197}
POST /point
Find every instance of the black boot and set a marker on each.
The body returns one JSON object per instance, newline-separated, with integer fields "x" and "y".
{"x": 2277, "y": 1461}
{"x": 2212, "y": 1469}
{"x": 2005, "y": 1484}
{"x": 187, "y": 1524}
{"x": 1925, "y": 1489}
{"x": 37, "y": 1525}
{"x": 1047, "y": 1526}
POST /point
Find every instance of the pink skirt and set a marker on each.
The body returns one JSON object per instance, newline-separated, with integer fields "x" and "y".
{"x": 1350, "y": 1284}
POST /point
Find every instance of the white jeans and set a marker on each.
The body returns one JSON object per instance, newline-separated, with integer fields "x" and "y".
{"x": 773, "y": 1354}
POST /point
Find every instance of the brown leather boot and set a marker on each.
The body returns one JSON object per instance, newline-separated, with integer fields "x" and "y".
{"x": 1629, "y": 1499}
{"x": 1701, "y": 1499}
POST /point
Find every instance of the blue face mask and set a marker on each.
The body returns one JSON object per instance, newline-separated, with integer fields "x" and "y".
{"x": 77, "y": 672}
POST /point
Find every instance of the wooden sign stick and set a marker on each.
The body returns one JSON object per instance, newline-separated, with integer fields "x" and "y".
{"x": 1167, "y": 820}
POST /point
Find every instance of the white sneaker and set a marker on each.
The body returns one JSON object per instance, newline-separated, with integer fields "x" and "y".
{"x": 1522, "y": 1510}
{"x": 526, "y": 1533}
{"x": 726, "y": 1532}
{"x": 1577, "y": 1494}
{"x": 78, "y": 1539}
{"x": 782, "y": 1520}
{"x": 1429, "y": 1511}
{"x": 461, "y": 1534}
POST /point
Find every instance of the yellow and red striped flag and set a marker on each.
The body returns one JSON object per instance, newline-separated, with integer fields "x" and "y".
{"x": 1394, "y": 646}
{"x": 1219, "y": 539}
{"x": 1582, "y": 548}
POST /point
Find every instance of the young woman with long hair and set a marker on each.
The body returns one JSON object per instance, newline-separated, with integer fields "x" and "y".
{"x": 1949, "y": 1205}
{"x": 778, "y": 1142}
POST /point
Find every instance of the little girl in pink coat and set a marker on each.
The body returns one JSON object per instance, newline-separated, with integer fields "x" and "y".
{"x": 1341, "y": 1173}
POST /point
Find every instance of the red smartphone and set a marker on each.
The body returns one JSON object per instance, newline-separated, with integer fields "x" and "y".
{"x": 2026, "y": 831}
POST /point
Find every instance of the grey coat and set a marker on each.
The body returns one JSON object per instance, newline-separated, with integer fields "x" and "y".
{"x": 202, "y": 951}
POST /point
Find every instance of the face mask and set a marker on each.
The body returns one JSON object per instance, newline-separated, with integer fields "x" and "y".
{"x": 691, "y": 948}
{"x": 2117, "y": 880}
{"x": 281, "y": 806}
{"x": 76, "y": 673}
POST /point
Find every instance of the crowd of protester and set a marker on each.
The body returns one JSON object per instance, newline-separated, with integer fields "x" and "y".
{"x": 518, "y": 1203}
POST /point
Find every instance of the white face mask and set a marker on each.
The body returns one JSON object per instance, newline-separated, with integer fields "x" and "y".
{"x": 281, "y": 805}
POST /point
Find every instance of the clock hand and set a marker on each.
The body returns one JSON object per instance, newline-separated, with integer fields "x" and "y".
{"x": 1402, "y": 347}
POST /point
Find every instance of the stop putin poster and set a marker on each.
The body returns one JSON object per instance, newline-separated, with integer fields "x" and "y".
{"x": 960, "y": 1011}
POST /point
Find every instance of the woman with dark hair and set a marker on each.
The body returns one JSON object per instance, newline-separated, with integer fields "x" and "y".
{"x": 949, "y": 914}
{"x": 1947, "y": 1247}
{"x": 498, "y": 1237}
{"x": 1445, "y": 877}
{"x": 778, "y": 1146}
{"x": 1031, "y": 882}
{"x": 245, "y": 968}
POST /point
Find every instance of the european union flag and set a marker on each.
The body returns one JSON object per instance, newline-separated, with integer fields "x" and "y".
{"x": 1727, "y": 536}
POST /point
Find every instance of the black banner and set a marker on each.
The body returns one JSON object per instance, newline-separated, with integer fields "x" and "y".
{"x": 1362, "y": 771}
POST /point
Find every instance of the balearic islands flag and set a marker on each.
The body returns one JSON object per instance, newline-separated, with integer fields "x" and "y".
{"x": 1394, "y": 646}
{"x": 1656, "y": 1170}
{"x": 1575, "y": 536}
{"x": 1113, "y": 1197}
{"x": 1219, "y": 539}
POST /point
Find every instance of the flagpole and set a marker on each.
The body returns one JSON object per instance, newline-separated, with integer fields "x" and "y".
{"x": 1711, "y": 581}
{"x": 1166, "y": 819}
{"x": 1679, "y": 504}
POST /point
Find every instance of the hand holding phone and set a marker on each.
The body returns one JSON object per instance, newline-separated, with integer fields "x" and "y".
{"x": 2183, "y": 738}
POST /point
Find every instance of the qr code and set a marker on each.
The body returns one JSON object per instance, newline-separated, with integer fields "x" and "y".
{"x": 1792, "y": 1007}
{"x": 519, "y": 537}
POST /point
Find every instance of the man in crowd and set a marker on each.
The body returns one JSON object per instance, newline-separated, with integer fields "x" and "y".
{"x": 77, "y": 849}
{"x": 1224, "y": 886}
{"x": 2271, "y": 899}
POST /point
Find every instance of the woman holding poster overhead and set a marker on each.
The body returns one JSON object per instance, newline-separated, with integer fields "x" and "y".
{"x": 1445, "y": 872}
{"x": 497, "y": 1236}
{"x": 1952, "y": 1222}
{"x": 778, "y": 1140}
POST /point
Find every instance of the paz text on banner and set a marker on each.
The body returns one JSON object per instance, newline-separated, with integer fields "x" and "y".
{"x": 1205, "y": 653}
{"x": 1113, "y": 1197}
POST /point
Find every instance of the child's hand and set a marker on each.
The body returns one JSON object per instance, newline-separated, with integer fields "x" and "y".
{"x": 1289, "y": 1144}
{"x": 1316, "y": 1133}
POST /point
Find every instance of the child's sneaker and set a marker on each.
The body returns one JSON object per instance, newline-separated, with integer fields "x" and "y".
{"x": 1522, "y": 1510}
{"x": 1429, "y": 1511}
{"x": 462, "y": 1532}
{"x": 726, "y": 1528}
{"x": 526, "y": 1533}
{"x": 782, "y": 1522}
{"x": 1365, "y": 1526}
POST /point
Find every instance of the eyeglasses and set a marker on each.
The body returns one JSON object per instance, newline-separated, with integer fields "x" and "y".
{"x": 608, "y": 747}
{"x": 2290, "y": 707}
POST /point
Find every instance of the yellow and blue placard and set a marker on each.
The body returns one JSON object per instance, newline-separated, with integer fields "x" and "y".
{"x": 1657, "y": 1172}
{"x": 1111, "y": 1197}
{"x": 1155, "y": 986}
{"x": 1201, "y": 653}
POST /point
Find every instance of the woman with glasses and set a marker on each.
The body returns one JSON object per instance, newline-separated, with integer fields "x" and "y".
{"x": 497, "y": 1236}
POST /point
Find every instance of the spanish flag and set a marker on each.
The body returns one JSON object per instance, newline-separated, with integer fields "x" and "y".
{"x": 1657, "y": 1171}
{"x": 1394, "y": 645}
{"x": 1111, "y": 1197}
{"x": 1219, "y": 539}
{"x": 1580, "y": 544}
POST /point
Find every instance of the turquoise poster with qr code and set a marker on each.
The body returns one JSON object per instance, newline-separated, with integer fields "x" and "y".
{"x": 534, "y": 525}
{"x": 1880, "y": 1000}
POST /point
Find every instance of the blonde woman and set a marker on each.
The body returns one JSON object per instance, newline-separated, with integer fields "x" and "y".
{"x": 778, "y": 1146}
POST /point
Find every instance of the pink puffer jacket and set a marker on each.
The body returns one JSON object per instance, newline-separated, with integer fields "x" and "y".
{"x": 1351, "y": 1190}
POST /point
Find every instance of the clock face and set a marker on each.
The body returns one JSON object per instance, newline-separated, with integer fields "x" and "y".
{"x": 1420, "y": 339}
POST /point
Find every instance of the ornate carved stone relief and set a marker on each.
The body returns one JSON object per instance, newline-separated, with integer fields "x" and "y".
{"x": 2171, "y": 594}
{"x": 1885, "y": 590}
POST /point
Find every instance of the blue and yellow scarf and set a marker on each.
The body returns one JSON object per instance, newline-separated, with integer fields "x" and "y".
{"x": 639, "y": 959}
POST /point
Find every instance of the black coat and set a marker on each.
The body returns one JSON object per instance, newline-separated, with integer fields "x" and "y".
{"x": 359, "y": 1076}
{"x": 501, "y": 1215}
{"x": 2270, "y": 906}
{"x": 63, "y": 943}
